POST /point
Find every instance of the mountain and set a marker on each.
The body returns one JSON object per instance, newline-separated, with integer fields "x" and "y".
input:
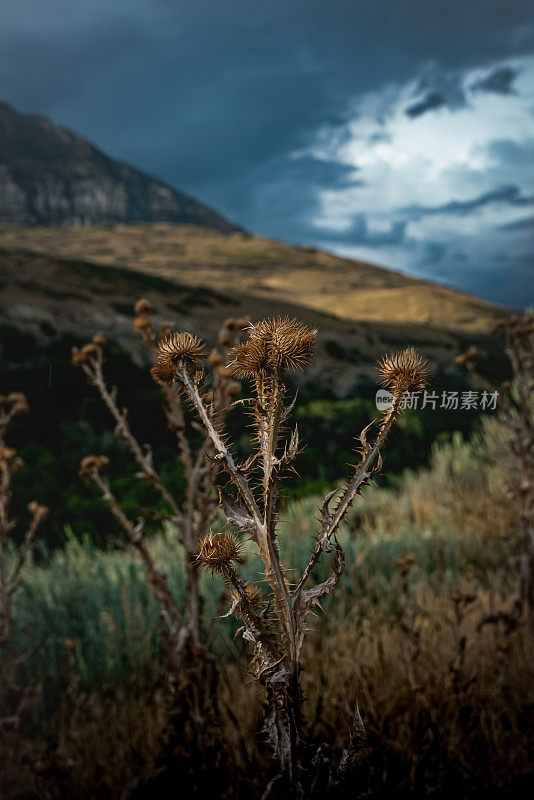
{"x": 46, "y": 300}
{"x": 273, "y": 273}
{"x": 51, "y": 176}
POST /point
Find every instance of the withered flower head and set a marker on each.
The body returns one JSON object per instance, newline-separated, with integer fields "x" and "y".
{"x": 236, "y": 323}
{"x": 89, "y": 352}
{"x": 467, "y": 359}
{"x": 163, "y": 372}
{"x": 143, "y": 306}
{"x": 217, "y": 552}
{"x": 7, "y": 454}
{"x": 38, "y": 511}
{"x": 143, "y": 322}
{"x": 173, "y": 351}
{"x": 402, "y": 372}
{"x": 215, "y": 358}
{"x": 19, "y": 403}
{"x": 292, "y": 343}
{"x": 274, "y": 343}
{"x": 253, "y": 600}
{"x": 90, "y": 464}
{"x": 249, "y": 359}
{"x": 100, "y": 340}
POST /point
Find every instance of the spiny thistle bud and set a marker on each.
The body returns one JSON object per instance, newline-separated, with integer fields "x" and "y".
{"x": 236, "y": 323}
{"x": 217, "y": 552}
{"x": 467, "y": 359}
{"x": 38, "y": 511}
{"x": 19, "y": 403}
{"x": 163, "y": 372}
{"x": 215, "y": 358}
{"x": 7, "y": 454}
{"x": 143, "y": 322}
{"x": 176, "y": 350}
{"x": 241, "y": 606}
{"x": 249, "y": 359}
{"x": 274, "y": 343}
{"x": 90, "y": 464}
{"x": 143, "y": 306}
{"x": 100, "y": 340}
{"x": 402, "y": 372}
{"x": 89, "y": 352}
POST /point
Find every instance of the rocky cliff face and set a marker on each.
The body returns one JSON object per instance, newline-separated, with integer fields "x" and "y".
{"x": 51, "y": 176}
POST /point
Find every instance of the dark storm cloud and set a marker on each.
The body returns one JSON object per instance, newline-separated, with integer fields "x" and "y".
{"x": 200, "y": 93}
{"x": 510, "y": 195}
{"x": 430, "y": 103}
{"x": 215, "y": 97}
{"x": 499, "y": 81}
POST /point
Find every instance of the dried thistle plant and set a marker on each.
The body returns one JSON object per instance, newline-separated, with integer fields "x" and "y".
{"x": 275, "y": 618}
{"x": 13, "y": 697}
{"x": 191, "y": 667}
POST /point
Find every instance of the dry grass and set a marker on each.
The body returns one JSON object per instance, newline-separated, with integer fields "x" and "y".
{"x": 263, "y": 268}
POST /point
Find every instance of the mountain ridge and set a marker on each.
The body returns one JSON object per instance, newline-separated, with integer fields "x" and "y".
{"x": 50, "y": 175}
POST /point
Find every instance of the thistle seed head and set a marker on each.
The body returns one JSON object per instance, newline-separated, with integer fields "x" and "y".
{"x": 7, "y": 454}
{"x": 172, "y": 352}
{"x": 218, "y": 551}
{"x": 38, "y": 511}
{"x": 163, "y": 372}
{"x": 215, "y": 358}
{"x": 143, "y": 322}
{"x": 241, "y": 606}
{"x": 90, "y": 464}
{"x": 274, "y": 343}
{"x": 89, "y": 352}
{"x": 249, "y": 359}
{"x": 402, "y": 372}
{"x": 100, "y": 340}
{"x": 143, "y": 306}
{"x": 18, "y": 402}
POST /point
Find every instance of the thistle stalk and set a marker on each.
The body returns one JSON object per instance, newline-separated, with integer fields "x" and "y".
{"x": 275, "y": 347}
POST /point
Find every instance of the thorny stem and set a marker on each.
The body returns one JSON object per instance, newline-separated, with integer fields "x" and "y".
{"x": 123, "y": 430}
{"x": 134, "y": 534}
{"x": 9, "y": 662}
{"x": 221, "y": 450}
{"x": 361, "y": 475}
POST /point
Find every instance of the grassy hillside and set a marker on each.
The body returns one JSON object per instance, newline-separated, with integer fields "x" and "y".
{"x": 268, "y": 270}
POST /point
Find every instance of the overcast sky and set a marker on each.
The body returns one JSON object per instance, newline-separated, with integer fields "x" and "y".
{"x": 399, "y": 131}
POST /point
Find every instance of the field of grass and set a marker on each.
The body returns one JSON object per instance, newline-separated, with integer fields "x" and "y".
{"x": 446, "y": 704}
